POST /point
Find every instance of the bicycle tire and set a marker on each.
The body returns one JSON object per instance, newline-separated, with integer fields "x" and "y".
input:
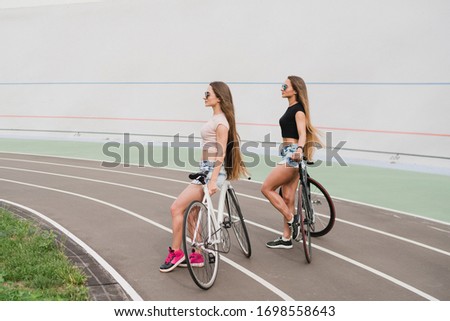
{"x": 237, "y": 222}
{"x": 198, "y": 229}
{"x": 304, "y": 221}
{"x": 323, "y": 207}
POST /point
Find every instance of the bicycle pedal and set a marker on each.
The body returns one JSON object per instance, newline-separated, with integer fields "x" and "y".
{"x": 211, "y": 258}
{"x": 227, "y": 224}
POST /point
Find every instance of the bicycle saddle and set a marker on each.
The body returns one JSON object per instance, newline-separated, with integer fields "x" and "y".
{"x": 199, "y": 176}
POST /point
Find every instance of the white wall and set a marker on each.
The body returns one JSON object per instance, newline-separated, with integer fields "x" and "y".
{"x": 142, "y": 67}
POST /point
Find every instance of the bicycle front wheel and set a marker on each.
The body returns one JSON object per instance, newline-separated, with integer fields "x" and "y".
{"x": 323, "y": 207}
{"x": 200, "y": 245}
{"x": 237, "y": 222}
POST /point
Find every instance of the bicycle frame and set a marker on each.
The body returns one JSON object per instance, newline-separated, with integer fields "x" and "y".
{"x": 217, "y": 219}
{"x": 303, "y": 181}
{"x": 205, "y": 232}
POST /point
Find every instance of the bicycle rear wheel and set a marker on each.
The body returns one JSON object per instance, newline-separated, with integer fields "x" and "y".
{"x": 237, "y": 222}
{"x": 199, "y": 236}
{"x": 323, "y": 207}
{"x": 304, "y": 220}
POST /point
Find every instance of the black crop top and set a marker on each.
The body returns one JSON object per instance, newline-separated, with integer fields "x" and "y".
{"x": 287, "y": 121}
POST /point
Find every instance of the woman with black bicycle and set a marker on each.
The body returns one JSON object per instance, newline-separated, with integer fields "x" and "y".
{"x": 299, "y": 139}
{"x": 221, "y": 159}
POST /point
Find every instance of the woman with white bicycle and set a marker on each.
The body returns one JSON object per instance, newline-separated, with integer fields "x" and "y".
{"x": 221, "y": 159}
{"x": 299, "y": 138}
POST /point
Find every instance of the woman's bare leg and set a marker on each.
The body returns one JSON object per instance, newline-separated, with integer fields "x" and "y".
{"x": 280, "y": 176}
{"x": 188, "y": 195}
{"x": 289, "y": 191}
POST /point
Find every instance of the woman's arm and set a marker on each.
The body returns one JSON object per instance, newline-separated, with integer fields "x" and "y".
{"x": 222, "y": 139}
{"x": 300, "y": 119}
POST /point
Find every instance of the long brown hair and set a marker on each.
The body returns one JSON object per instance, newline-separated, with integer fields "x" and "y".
{"x": 312, "y": 134}
{"x": 234, "y": 165}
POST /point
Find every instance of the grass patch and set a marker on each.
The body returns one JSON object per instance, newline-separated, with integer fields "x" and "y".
{"x": 33, "y": 266}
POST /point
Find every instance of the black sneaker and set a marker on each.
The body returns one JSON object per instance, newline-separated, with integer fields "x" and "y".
{"x": 295, "y": 228}
{"x": 279, "y": 244}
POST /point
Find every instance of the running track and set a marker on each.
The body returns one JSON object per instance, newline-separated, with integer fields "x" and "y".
{"x": 123, "y": 215}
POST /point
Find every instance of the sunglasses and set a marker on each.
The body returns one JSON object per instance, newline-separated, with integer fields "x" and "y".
{"x": 284, "y": 87}
{"x": 207, "y": 94}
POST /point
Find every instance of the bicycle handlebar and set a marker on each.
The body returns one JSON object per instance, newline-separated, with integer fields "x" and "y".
{"x": 307, "y": 161}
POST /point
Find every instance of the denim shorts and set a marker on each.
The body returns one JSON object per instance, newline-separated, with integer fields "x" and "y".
{"x": 286, "y": 153}
{"x": 207, "y": 167}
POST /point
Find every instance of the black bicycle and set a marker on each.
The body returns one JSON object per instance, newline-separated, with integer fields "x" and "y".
{"x": 316, "y": 211}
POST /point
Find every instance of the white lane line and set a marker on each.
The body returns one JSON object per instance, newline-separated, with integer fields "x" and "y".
{"x": 380, "y": 274}
{"x": 89, "y": 180}
{"x": 258, "y": 279}
{"x": 123, "y": 283}
{"x": 374, "y": 230}
{"x": 247, "y": 196}
{"x": 380, "y": 208}
{"x": 182, "y": 170}
{"x": 428, "y": 247}
{"x": 349, "y": 260}
{"x": 99, "y": 169}
{"x": 439, "y": 229}
{"x": 360, "y": 265}
{"x": 240, "y": 268}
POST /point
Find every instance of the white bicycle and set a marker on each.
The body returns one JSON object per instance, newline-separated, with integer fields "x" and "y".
{"x": 206, "y": 233}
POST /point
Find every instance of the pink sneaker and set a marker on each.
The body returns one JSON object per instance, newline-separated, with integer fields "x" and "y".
{"x": 173, "y": 259}
{"x": 196, "y": 260}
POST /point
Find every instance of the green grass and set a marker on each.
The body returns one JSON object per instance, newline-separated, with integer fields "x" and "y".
{"x": 33, "y": 266}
